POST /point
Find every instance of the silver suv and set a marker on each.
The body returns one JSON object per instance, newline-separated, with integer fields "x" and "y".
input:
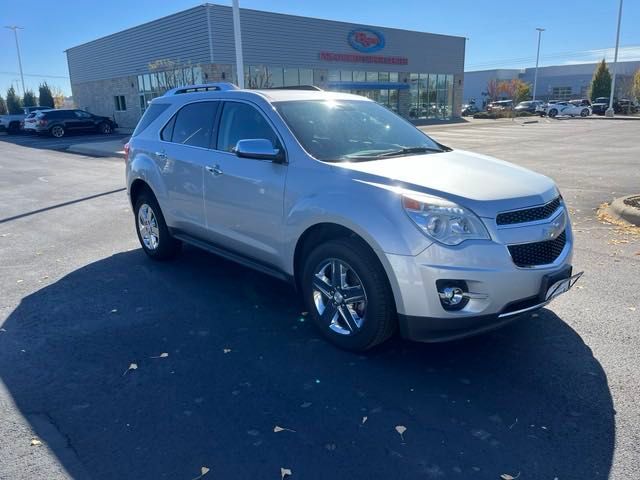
{"x": 377, "y": 225}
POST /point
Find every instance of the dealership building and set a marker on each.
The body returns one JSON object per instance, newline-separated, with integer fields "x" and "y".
{"x": 417, "y": 74}
{"x": 558, "y": 82}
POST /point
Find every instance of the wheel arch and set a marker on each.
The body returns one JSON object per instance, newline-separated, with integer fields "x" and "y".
{"x": 325, "y": 231}
{"x": 137, "y": 187}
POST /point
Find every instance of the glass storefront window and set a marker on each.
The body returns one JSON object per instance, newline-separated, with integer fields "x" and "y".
{"x": 334, "y": 75}
{"x": 359, "y": 76}
{"x": 383, "y": 76}
{"x": 393, "y": 77}
{"x": 372, "y": 76}
{"x": 291, "y": 76}
{"x": 346, "y": 76}
{"x": 276, "y": 76}
{"x": 306, "y": 76}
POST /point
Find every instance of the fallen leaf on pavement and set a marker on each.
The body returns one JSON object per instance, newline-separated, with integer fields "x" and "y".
{"x": 506, "y": 476}
{"x": 285, "y": 472}
{"x": 162, "y": 355}
{"x": 133, "y": 366}
{"x": 633, "y": 309}
{"x": 401, "y": 429}
{"x": 277, "y": 429}
{"x": 203, "y": 472}
{"x": 226, "y": 350}
{"x": 35, "y": 442}
{"x": 364, "y": 419}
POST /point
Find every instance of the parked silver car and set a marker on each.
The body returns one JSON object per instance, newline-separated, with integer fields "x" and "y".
{"x": 379, "y": 226}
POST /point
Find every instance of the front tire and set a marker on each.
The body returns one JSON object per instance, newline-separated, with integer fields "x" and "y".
{"x": 153, "y": 234}
{"x": 347, "y": 294}
{"x": 584, "y": 112}
{"x": 553, "y": 112}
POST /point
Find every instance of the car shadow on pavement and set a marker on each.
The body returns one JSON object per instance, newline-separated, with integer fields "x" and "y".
{"x": 224, "y": 355}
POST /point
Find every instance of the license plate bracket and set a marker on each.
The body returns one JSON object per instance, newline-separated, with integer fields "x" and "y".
{"x": 560, "y": 286}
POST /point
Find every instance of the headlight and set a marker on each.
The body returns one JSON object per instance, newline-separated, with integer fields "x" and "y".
{"x": 442, "y": 220}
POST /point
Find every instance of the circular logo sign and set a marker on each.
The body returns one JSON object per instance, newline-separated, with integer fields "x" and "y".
{"x": 366, "y": 40}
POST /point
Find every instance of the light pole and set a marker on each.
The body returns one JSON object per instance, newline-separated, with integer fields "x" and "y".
{"x": 237, "y": 35}
{"x": 609, "y": 111}
{"x": 15, "y": 34}
{"x": 535, "y": 75}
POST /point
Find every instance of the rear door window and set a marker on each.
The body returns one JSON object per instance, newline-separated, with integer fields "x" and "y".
{"x": 193, "y": 124}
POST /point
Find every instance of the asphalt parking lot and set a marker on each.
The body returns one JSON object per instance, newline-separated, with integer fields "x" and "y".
{"x": 552, "y": 396}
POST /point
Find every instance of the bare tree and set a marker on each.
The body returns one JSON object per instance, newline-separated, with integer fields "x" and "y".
{"x": 260, "y": 77}
{"x": 493, "y": 90}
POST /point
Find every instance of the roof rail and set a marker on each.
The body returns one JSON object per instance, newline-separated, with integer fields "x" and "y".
{"x": 202, "y": 87}
{"x": 296, "y": 87}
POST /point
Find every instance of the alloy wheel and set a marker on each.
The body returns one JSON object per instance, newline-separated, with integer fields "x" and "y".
{"x": 339, "y": 296}
{"x": 57, "y": 131}
{"x": 148, "y": 227}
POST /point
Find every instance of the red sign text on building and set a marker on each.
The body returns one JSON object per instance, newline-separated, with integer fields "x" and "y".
{"x": 357, "y": 58}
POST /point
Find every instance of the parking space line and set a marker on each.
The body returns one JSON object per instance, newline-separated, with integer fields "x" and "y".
{"x": 63, "y": 204}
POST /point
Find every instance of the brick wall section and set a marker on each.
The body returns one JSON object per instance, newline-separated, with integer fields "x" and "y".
{"x": 458, "y": 91}
{"x": 97, "y": 97}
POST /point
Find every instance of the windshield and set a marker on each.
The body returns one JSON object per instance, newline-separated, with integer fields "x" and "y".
{"x": 352, "y": 130}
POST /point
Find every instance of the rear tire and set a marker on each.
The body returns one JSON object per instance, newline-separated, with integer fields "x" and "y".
{"x": 584, "y": 112}
{"x": 553, "y": 112}
{"x": 360, "y": 277}
{"x": 105, "y": 128}
{"x": 57, "y": 131}
{"x": 153, "y": 234}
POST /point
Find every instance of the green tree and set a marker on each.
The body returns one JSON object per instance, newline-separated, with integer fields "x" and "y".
{"x": 29, "y": 99}
{"x": 601, "y": 82}
{"x": 45, "y": 95}
{"x": 14, "y": 104}
{"x": 3, "y": 106}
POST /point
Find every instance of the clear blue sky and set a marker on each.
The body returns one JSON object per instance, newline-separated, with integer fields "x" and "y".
{"x": 501, "y": 33}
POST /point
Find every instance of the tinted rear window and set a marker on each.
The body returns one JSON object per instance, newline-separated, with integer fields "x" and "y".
{"x": 153, "y": 112}
{"x": 58, "y": 114}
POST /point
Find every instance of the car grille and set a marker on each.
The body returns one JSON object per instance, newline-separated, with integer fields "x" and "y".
{"x": 538, "y": 253}
{"x": 528, "y": 214}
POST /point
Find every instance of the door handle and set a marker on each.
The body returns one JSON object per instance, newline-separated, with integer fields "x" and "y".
{"x": 161, "y": 155}
{"x": 215, "y": 170}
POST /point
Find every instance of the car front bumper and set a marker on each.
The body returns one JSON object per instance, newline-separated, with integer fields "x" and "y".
{"x": 500, "y": 291}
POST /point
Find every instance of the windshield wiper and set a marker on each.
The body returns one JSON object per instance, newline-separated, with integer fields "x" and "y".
{"x": 410, "y": 150}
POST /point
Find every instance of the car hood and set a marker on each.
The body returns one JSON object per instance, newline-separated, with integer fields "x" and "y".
{"x": 479, "y": 182}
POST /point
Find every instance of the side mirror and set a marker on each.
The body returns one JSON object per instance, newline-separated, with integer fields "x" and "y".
{"x": 259, "y": 148}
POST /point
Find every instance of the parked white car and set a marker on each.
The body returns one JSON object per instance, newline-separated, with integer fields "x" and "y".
{"x": 566, "y": 108}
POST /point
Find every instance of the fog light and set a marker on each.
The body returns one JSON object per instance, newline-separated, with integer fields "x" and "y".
{"x": 453, "y": 294}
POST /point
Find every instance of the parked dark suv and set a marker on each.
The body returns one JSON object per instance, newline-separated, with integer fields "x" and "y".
{"x": 59, "y": 122}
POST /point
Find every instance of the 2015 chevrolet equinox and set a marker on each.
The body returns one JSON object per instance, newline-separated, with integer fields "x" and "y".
{"x": 378, "y": 225}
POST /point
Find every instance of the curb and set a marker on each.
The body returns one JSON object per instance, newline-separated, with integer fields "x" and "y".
{"x": 602, "y": 117}
{"x": 94, "y": 152}
{"x": 626, "y": 212}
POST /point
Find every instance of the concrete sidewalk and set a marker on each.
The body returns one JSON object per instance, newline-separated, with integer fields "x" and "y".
{"x": 111, "y": 148}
